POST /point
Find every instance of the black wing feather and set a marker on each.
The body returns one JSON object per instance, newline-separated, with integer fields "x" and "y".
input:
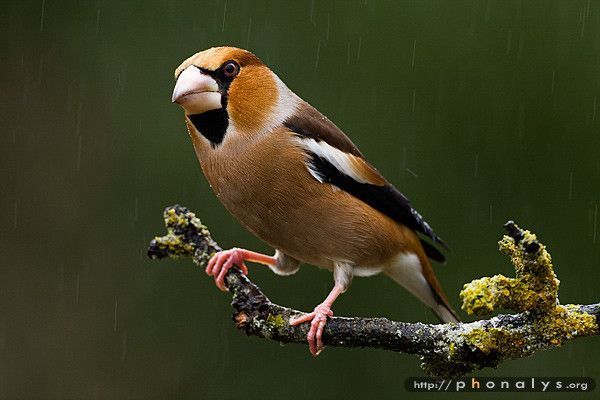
{"x": 432, "y": 252}
{"x": 386, "y": 199}
{"x": 309, "y": 123}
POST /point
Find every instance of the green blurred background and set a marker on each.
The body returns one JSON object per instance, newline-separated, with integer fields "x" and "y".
{"x": 479, "y": 111}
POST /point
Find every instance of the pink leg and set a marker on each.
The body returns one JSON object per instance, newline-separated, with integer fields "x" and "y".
{"x": 224, "y": 260}
{"x": 318, "y": 320}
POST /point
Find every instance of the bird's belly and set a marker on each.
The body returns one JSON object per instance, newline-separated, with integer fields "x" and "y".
{"x": 285, "y": 225}
{"x": 320, "y": 229}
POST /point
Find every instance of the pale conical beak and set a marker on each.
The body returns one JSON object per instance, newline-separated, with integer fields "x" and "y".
{"x": 196, "y": 92}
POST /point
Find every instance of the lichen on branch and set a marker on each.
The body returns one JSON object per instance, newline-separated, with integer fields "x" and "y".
{"x": 533, "y": 290}
{"x": 446, "y": 350}
{"x": 534, "y": 287}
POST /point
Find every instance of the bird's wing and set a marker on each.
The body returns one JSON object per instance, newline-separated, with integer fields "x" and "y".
{"x": 334, "y": 159}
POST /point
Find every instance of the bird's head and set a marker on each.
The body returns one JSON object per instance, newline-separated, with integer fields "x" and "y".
{"x": 225, "y": 87}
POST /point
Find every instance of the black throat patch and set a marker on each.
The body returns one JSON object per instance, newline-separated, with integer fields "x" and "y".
{"x": 211, "y": 124}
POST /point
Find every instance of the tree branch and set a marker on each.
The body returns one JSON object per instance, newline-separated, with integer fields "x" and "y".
{"x": 446, "y": 350}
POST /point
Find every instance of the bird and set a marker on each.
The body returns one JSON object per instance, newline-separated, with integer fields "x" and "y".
{"x": 296, "y": 181}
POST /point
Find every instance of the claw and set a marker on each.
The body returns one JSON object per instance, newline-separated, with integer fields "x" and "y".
{"x": 302, "y": 319}
{"x": 222, "y": 262}
{"x": 318, "y": 320}
{"x": 220, "y": 278}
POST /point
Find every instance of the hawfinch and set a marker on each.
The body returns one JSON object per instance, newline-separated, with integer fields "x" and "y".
{"x": 295, "y": 180}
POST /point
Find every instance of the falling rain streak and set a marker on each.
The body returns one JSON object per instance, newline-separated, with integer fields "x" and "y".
{"x": 77, "y": 289}
{"x": 318, "y": 51}
{"x": 583, "y": 15}
{"x": 78, "y": 167}
{"x": 248, "y": 33}
{"x": 42, "y": 16}
{"x": 571, "y": 185}
{"x": 97, "y": 22}
{"x": 115, "y": 318}
{"x": 412, "y": 172}
{"x": 224, "y": 14}
{"x": 348, "y": 55}
{"x": 61, "y": 279}
{"x": 595, "y": 222}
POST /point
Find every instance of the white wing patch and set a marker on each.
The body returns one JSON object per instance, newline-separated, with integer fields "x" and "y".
{"x": 340, "y": 160}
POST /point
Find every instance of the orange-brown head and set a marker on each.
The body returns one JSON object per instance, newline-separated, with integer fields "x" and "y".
{"x": 225, "y": 87}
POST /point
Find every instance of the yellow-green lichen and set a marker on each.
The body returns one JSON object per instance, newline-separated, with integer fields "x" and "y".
{"x": 276, "y": 321}
{"x": 538, "y": 263}
{"x": 534, "y": 286}
{"x": 174, "y": 245}
{"x": 176, "y": 218}
{"x": 504, "y": 343}
{"x": 452, "y": 349}
{"x": 550, "y": 328}
{"x": 173, "y": 218}
{"x": 564, "y": 323}
{"x": 534, "y": 289}
{"x": 184, "y": 231}
{"x": 483, "y": 296}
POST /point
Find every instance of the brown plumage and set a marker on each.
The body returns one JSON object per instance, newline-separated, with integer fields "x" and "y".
{"x": 295, "y": 180}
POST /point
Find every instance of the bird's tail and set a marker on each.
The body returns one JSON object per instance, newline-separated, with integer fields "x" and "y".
{"x": 445, "y": 313}
{"x": 416, "y": 275}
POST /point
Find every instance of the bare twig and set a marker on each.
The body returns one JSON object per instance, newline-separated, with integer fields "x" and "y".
{"x": 445, "y": 349}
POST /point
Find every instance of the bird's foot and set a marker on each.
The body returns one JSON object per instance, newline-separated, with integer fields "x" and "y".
{"x": 223, "y": 261}
{"x": 318, "y": 320}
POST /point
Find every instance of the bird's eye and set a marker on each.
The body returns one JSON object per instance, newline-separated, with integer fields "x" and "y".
{"x": 231, "y": 69}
